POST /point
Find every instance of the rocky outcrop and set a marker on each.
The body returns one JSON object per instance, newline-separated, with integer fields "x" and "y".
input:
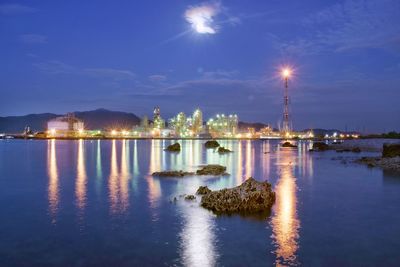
{"x": 212, "y": 170}
{"x": 391, "y": 164}
{"x": 288, "y": 144}
{"x": 391, "y": 150}
{"x": 250, "y": 197}
{"x": 173, "y": 148}
{"x": 203, "y": 190}
{"x": 211, "y": 144}
{"x": 172, "y": 173}
{"x": 320, "y": 146}
{"x": 205, "y": 170}
{"x": 223, "y": 150}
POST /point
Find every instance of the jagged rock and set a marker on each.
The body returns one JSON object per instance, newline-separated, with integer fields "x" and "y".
{"x": 211, "y": 144}
{"x": 320, "y": 146}
{"x": 190, "y": 197}
{"x": 212, "y": 169}
{"x": 392, "y": 164}
{"x": 288, "y": 144}
{"x": 250, "y": 197}
{"x": 203, "y": 190}
{"x": 223, "y": 150}
{"x": 172, "y": 173}
{"x": 391, "y": 150}
{"x": 173, "y": 148}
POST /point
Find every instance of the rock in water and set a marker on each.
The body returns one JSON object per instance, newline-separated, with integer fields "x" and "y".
{"x": 212, "y": 170}
{"x": 223, "y": 150}
{"x": 174, "y": 147}
{"x": 288, "y": 144}
{"x": 250, "y": 197}
{"x": 190, "y": 197}
{"x": 172, "y": 173}
{"x": 390, "y": 150}
{"x": 320, "y": 146}
{"x": 203, "y": 190}
{"x": 211, "y": 144}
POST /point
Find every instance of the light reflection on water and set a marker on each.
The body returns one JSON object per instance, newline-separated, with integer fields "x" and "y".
{"x": 285, "y": 223}
{"x": 53, "y": 187}
{"x": 81, "y": 178}
{"x": 132, "y": 190}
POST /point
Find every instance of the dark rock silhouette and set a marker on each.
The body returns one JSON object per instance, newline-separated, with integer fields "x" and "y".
{"x": 174, "y": 148}
{"x": 211, "y": 144}
{"x": 391, "y": 150}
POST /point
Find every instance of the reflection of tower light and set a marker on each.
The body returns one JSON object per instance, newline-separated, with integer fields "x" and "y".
{"x": 197, "y": 238}
{"x": 112, "y": 181}
{"x": 53, "y": 191}
{"x": 285, "y": 223}
{"x": 80, "y": 185}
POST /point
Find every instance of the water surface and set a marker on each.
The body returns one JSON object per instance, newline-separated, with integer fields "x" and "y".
{"x": 94, "y": 203}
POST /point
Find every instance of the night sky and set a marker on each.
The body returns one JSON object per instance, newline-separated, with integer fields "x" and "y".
{"x": 221, "y": 56}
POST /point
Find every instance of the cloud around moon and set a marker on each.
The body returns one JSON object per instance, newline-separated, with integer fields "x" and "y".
{"x": 201, "y": 18}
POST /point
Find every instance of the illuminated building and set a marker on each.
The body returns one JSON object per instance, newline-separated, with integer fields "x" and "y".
{"x": 179, "y": 124}
{"x": 197, "y": 121}
{"x": 65, "y": 126}
{"x": 223, "y": 126}
{"x": 158, "y": 122}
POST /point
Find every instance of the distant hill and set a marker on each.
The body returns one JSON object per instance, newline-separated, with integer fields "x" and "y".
{"x": 323, "y": 131}
{"x": 95, "y": 119}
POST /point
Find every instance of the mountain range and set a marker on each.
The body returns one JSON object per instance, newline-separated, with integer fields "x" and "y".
{"x": 99, "y": 119}
{"x": 94, "y": 119}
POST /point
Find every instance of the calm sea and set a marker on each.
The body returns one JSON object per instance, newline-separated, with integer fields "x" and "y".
{"x": 94, "y": 203}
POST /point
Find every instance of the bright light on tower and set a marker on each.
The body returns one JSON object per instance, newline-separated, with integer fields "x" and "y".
{"x": 286, "y": 72}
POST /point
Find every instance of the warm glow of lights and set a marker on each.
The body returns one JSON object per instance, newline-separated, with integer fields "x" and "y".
{"x": 81, "y": 179}
{"x": 285, "y": 224}
{"x": 53, "y": 191}
{"x": 286, "y": 72}
{"x": 52, "y": 131}
{"x": 114, "y": 132}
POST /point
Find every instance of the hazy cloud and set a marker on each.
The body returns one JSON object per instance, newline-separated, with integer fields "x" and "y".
{"x": 58, "y": 67}
{"x": 201, "y": 17}
{"x": 15, "y": 9}
{"x": 33, "y": 39}
{"x": 116, "y": 74}
{"x": 349, "y": 25}
{"x": 157, "y": 78}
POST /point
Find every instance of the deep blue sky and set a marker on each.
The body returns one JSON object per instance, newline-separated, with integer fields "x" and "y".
{"x": 60, "y": 56}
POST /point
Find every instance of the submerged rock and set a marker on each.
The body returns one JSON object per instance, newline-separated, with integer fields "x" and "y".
{"x": 212, "y": 169}
{"x": 172, "y": 173}
{"x": 211, "y": 144}
{"x": 203, "y": 190}
{"x": 320, "y": 146}
{"x": 190, "y": 197}
{"x": 391, "y": 150}
{"x": 288, "y": 144}
{"x": 392, "y": 164}
{"x": 223, "y": 150}
{"x": 250, "y": 197}
{"x": 356, "y": 150}
{"x": 173, "y": 148}
{"x": 205, "y": 170}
